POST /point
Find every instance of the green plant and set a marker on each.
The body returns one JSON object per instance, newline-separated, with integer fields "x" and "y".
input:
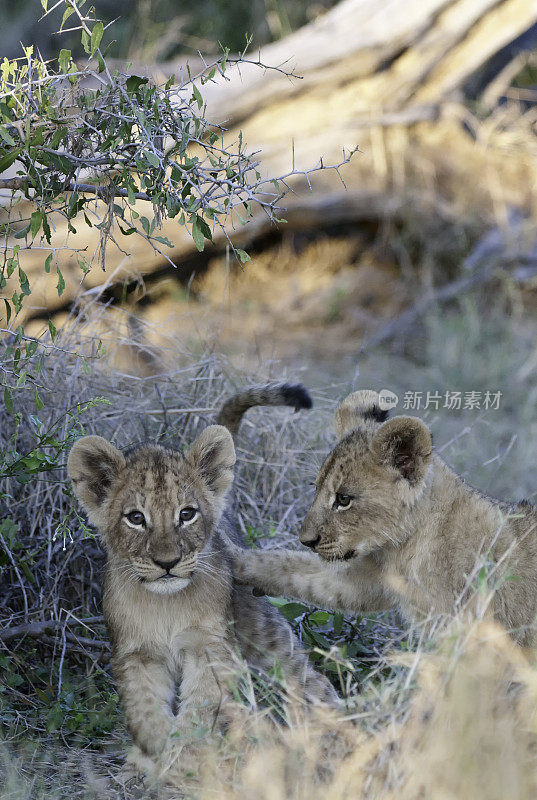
{"x": 89, "y": 142}
{"x": 253, "y": 536}
{"x": 338, "y": 645}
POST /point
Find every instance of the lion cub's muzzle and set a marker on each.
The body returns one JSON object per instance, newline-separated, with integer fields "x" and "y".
{"x": 324, "y": 546}
{"x": 168, "y": 565}
{"x": 165, "y": 574}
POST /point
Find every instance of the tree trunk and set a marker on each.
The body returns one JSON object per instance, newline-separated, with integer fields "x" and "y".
{"x": 388, "y": 77}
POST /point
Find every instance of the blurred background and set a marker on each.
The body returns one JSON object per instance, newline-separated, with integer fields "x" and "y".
{"x": 159, "y": 30}
{"x": 414, "y": 269}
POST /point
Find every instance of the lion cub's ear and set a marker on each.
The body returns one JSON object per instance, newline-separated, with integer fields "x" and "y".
{"x": 213, "y": 455}
{"x": 404, "y": 443}
{"x": 93, "y": 465}
{"x": 358, "y": 409}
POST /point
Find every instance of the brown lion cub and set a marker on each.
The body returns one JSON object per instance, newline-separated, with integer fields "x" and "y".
{"x": 392, "y": 526}
{"x": 174, "y": 614}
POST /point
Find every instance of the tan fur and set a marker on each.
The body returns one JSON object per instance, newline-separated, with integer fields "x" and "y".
{"x": 174, "y": 614}
{"x": 412, "y": 537}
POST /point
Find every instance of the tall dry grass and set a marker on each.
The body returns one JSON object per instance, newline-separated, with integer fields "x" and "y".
{"x": 458, "y": 723}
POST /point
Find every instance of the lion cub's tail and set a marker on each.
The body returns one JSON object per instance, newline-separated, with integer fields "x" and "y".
{"x": 273, "y": 394}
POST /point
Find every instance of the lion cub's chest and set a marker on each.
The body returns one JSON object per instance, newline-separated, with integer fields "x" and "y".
{"x": 167, "y": 627}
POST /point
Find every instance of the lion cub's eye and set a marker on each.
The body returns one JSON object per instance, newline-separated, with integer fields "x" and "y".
{"x": 342, "y": 500}
{"x": 135, "y": 518}
{"x": 187, "y": 514}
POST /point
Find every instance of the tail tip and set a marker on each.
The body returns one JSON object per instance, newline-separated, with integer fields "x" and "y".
{"x": 295, "y": 394}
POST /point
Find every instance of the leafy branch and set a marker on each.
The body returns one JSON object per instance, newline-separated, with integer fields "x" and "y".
{"x": 90, "y": 142}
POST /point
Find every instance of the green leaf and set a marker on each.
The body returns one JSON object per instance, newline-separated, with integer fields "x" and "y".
{"x": 37, "y": 400}
{"x": 12, "y": 679}
{"x": 8, "y": 159}
{"x": 243, "y": 255}
{"x": 151, "y": 158}
{"x": 210, "y": 75}
{"x": 338, "y": 620}
{"x": 64, "y": 60}
{"x": 22, "y": 233}
{"x": 36, "y": 220}
{"x": 48, "y": 262}
{"x": 62, "y": 163}
{"x": 27, "y": 571}
{"x": 197, "y": 96}
{"x": 9, "y": 531}
{"x": 293, "y": 610}
{"x": 31, "y": 348}
{"x": 8, "y": 400}
{"x": 59, "y": 135}
{"x": 17, "y": 301}
{"x": 319, "y": 617}
{"x": 197, "y": 235}
{"x": 316, "y": 638}
{"x": 84, "y": 38}
{"x": 163, "y": 240}
{"x": 83, "y": 264}
{"x": 204, "y": 228}
{"x": 24, "y": 284}
{"x": 52, "y": 330}
{"x": 126, "y": 231}
{"x": 8, "y": 310}
{"x": 66, "y": 14}
{"x": 96, "y": 36}
{"x": 60, "y": 286}
{"x": 46, "y": 228}
{"x": 4, "y": 111}
{"x": 38, "y": 137}
{"x": 6, "y": 136}
{"x": 134, "y": 82}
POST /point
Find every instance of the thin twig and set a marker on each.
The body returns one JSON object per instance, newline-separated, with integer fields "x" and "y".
{"x": 35, "y": 629}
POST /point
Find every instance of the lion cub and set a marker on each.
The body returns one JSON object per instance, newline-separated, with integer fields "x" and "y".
{"x": 392, "y": 526}
{"x": 173, "y": 611}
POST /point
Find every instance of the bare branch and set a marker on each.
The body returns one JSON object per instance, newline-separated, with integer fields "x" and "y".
{"x": 36, "y": 629}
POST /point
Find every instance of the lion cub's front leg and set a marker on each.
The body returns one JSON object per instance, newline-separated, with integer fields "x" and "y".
{"x": 353, "y": 587}
{"x": 290, "y": 573}
{"x": 280, "y": 572}
{"x": 206, "y": 675}
{"x": 147, "y": 690}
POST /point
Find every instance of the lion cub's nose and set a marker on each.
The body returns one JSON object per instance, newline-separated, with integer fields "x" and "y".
{"x": 311, "y": 542}
{"x": 167, "y": 565}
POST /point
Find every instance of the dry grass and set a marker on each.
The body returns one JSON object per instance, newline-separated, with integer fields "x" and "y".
{"x": 457, "y": 722}
{"x": 469, "y": 732}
